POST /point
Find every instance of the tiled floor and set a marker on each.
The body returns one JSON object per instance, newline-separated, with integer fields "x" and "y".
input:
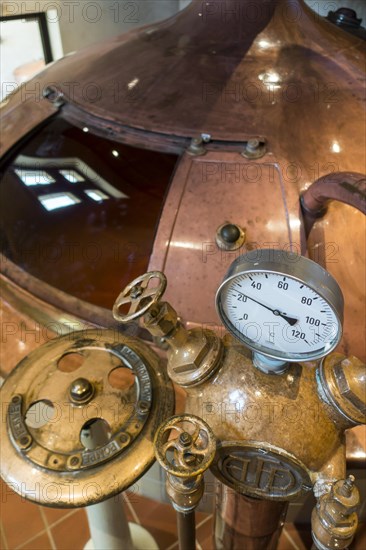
{"x": 26, "y": 526}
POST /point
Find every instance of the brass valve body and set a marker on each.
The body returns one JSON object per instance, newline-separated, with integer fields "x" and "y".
{"x": 276, "y": 433}
{"x": 334, "y": 519}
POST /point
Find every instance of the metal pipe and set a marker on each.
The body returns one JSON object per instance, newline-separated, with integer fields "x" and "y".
{"x": 108, "y": 526}
{"x": 346, "y": 187}
{"x": 244, "y": 522}
{"x": 186, "y": 523}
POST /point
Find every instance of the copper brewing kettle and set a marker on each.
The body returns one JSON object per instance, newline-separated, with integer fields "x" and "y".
{"x": 230, "y": 110}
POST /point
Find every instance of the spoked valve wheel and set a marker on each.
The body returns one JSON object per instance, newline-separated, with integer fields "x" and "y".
{"x": 80, "y": 416}
{"x": 185, "y": 446}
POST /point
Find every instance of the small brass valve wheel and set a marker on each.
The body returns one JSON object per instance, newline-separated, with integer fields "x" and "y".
{"x": 185, "y": 447}
{"x": 81, "y": 412}
{"x": 190, "y": 451}
{"x": 193, "y": 355}
{"x": 185, "y": 456}
{"x": 139, "y": 296}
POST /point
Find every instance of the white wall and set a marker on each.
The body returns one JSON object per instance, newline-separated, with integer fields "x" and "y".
{"x": 83, "y": 22}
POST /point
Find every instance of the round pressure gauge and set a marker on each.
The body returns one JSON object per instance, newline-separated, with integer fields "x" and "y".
{"x": 281, "y": 305}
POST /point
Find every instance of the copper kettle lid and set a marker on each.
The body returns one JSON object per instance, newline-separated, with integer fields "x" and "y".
{"x": 210, "y": 68}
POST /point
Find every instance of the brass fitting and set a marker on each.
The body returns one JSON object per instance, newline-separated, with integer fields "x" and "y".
{"x": 185, "y": 494}
{"x": 334, "y": 519}
{"x": 194, "y": 361}
{"x": 193, "y": 355}
{"x": 343, "y": 381}
{"x": 161, "y": 320}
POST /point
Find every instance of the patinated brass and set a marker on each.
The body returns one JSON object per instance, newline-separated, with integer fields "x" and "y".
{"x": 343, "y": 382}
{"x": 334, "y": 520}
{"x": 139, "y": 297}
{"x": 185, "y": 456}
{"x": 278, "y": 435}
{"x": 79, "y": 379}
{"x": 194, "y": 354}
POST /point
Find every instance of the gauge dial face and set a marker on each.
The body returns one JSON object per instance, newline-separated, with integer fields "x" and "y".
{"x": 278, "y": 315}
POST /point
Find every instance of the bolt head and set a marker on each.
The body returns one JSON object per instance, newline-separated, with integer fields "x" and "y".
{"x": 81, "y": 390}
{"x": 162, "y": 321}
{"x": 253, "y": 144}
{"x": 124, "y": 438}
{"x": 25, "y": 441}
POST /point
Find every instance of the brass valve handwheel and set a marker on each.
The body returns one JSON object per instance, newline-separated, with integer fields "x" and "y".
{"x": 190, "y": 450}
{"x": 140, "y": 296}
{"x": 79, "y": 417}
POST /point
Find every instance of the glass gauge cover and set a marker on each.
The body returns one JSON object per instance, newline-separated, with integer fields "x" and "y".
{"x": 281, "y": 305}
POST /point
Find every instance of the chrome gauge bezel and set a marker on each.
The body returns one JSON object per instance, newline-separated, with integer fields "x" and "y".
{"x": 298, "y": 268}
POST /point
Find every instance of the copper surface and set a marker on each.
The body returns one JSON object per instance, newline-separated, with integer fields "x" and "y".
{"x": 286, "y": 76}
{"x": 215, "y": 45}
{"x": 338, "y": 242}
{"x": 346, "y": 187}
{"x": 211, "y": 189}
{"x": 237, "y": 71}
{"x": 244, "y": 522}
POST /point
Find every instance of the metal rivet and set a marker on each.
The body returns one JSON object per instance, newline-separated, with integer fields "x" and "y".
{"x": 25, "y": 441}
{"x": 124, "y": 438}
{"x": 73, "y": 462}
{"x": 143, "y": 407}
{"x": 196, "y": 147}
{"x": 54, "y": 95}
{"x": 254, "y": 149}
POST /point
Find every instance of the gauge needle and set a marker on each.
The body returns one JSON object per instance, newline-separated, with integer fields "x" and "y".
{"x": 291, "y": 321}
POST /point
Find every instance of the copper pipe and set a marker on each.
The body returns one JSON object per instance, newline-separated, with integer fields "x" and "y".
{"x": 244, "y": 522}
{"x": 346, "y": 187}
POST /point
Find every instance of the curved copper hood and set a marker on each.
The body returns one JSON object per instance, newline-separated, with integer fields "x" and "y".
{"x": 230, "y": 69}
{"x": 233, "y": 70}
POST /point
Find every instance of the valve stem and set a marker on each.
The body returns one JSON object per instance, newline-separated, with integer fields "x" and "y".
{"x": 347, "y": 487}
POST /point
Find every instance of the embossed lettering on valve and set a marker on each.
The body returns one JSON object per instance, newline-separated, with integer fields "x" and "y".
{"x": 99, "y": 455}
{"x": 260, "y": 472}
{"x": 16, "y": 423}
